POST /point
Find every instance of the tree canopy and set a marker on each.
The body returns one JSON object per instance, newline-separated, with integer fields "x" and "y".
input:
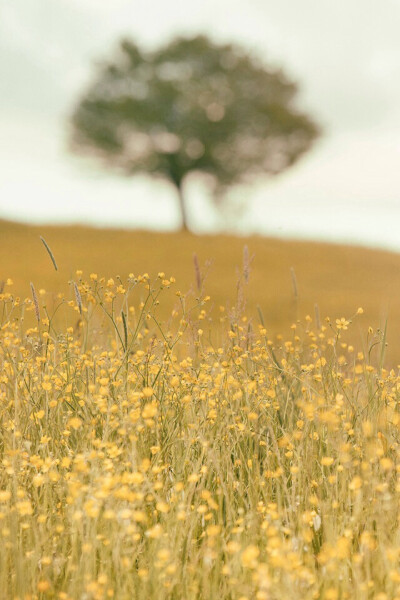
{"x": 191, "y": 106}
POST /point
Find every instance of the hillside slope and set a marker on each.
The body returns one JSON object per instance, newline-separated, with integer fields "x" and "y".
{"x": 338, "y": 278}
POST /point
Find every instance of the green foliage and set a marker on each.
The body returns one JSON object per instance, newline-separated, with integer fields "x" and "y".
{"x": 191, "y": 106}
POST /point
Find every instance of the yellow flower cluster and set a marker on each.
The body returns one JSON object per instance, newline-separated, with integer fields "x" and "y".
{"x": 142, "y": 459}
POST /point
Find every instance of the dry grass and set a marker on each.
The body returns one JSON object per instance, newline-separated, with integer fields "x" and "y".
{"x": 182, "y": 458}
{"x": 337, "y": 278}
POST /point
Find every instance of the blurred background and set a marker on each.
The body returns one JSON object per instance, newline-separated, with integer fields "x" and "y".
{"x": 345, "y": 57}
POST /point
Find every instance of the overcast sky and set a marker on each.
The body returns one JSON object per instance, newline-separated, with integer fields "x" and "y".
{"x": 344, "y": 53}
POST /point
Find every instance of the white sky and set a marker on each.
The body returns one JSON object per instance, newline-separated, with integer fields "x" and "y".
{"x": 344, "y": 53}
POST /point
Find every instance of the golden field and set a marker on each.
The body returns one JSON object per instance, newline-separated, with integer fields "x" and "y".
{"x": 178, "y": 459}
{"x": 337, "y": 278}
{"x": 167, "y": 445}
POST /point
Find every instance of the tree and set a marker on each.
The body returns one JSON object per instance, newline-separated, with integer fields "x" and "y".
{"x": 191, "y": 106}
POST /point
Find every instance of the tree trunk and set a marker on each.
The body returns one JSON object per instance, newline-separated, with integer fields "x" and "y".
{"x": 182, "y": 209}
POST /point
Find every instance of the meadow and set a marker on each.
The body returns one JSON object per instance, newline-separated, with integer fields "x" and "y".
{"x": 158, "y": 444}
{"x": 335, "y": 277}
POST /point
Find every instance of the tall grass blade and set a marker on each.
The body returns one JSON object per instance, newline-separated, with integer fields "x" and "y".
{"x": 294, "y": 283}
{"x": 78, "y": 297}
{"x": 35, "y": 302}
{"x": 383, "y": 345}
{"x": 53, "y": 260}
{"x": 197, "y": 271}
{"x": 125, "y": 330}
{"x": 246, "y": 264}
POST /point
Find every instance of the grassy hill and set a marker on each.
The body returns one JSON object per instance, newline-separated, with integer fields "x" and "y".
{"x": 140, "y": 459}
{"x": 338, "y": 278}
